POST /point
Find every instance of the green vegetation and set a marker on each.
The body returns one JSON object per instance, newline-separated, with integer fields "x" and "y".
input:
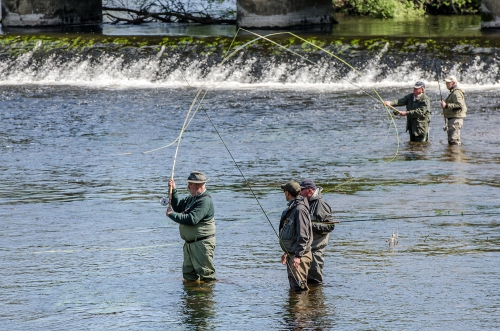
{"x": 405, "y": 8}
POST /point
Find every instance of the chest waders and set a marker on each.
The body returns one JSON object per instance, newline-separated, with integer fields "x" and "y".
{"x": 289, "y": 261}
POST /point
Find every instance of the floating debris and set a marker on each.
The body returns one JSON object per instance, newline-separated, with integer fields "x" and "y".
{"x": 393, "y": 241}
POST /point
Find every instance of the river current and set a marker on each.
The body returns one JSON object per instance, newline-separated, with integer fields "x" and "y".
{"x": 86, "y": 245}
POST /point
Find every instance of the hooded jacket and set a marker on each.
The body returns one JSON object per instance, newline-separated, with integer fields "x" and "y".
{"x": 321, "y": 218}
{"x": 321, "y": 213}
{"x": 295, "y": 229}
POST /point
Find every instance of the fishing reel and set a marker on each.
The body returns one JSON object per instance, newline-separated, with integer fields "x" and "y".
{"x": 445, "y": 128}
{"x": 164, "y": 201}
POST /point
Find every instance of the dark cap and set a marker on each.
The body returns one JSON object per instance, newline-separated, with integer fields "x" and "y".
{"x": 197, "y": 177}
{"x": 419, "y": 84}
{"x": 291, "y": 187}
{"x": 308, "y": 183}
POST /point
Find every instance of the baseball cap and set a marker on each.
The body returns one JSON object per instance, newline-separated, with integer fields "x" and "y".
{"x": 292, "y": 187}
{"x": 419, "y": 84}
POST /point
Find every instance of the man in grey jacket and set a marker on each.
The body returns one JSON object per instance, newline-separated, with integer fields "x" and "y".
{"x": 295, "y": 233}
{"x": 322, "y": 225}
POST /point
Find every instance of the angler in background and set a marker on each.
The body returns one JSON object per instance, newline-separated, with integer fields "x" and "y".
{"x": 454, "y": 110}
{"x": 195, "y": 215}
{"x": 418, "y": 112}
{"x": 295, "y": 234}
{"x": 322, "y": 224}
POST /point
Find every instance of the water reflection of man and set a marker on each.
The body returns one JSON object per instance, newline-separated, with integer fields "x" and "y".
{"x": 195, "y": 215}
{"x": 199, "y": 306}
{"x": 308, "y": 311}
{"x": 455, "y": 155}
{"x": 322, "y": 225}
{"x": 295, "y": 232}
{"x": 454, "y": 110}
{"x": 418, "y": 112}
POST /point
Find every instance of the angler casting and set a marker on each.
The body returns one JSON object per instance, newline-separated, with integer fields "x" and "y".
{"x": 195, "y": 215}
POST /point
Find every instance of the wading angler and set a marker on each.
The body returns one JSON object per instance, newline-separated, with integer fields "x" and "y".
{"x": 195, "y": 215}
{"x": 295, "y": 234}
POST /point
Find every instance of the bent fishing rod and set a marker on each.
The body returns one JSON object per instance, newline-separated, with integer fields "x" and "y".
{"x": 289, "y": 261}
{"x": 220, "y": 137}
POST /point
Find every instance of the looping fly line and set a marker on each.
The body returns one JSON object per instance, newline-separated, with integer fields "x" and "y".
{"x": 232, "y": 54}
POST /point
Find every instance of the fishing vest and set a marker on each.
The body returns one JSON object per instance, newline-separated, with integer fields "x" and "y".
{"x": 455, "y": 104}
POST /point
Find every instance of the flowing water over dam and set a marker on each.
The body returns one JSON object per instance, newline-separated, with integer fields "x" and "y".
{"x": 85, "y": 244}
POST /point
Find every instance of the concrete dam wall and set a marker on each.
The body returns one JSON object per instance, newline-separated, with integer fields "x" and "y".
{"x": 25, "y": 13}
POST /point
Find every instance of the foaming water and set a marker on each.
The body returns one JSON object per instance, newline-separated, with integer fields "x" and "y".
{"x": 164, "y": 69}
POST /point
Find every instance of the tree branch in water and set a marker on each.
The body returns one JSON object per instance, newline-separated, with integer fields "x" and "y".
{"x": 144, "y": 16}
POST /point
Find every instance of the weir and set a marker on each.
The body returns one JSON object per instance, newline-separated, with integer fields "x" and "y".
{"x": 166, "y": 61}
{"x": 284, "y": 13}
{"x": 490, "y": 14}
{"x": 25, "y": 13}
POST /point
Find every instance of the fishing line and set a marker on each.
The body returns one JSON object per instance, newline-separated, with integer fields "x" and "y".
{"x": 71, "y": 251}
{"x": 184, "y": 126}
{"x": 341, "y": 78}
{"x": 301, "y": 282}
{"x": 266, "y": 37}
{"x": 421, "y": 216}
{"x": 445, "y": 128}
{"x": 230, "y": 55}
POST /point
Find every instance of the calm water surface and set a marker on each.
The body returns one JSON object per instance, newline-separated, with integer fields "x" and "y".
{"x": 85, "y": 244}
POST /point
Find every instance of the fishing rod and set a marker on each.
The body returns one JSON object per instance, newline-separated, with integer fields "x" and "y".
{"x": 445, "y": 127}
{"x": 170, "y": 188}
{"x": 301, "y": 282}
{"x": 69, "y": 251}
{"x": 396, "y": 111}
{"x": 420, "y": 216}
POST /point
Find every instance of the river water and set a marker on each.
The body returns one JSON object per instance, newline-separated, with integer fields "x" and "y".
{"x": 86, "y": 245}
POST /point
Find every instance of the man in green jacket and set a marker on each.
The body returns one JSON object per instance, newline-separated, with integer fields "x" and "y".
{"x": 454, "y": 110}
{"x": 195, "y": 215}
{"x": 418, "y": 112}
{"x": 295, "y": 233}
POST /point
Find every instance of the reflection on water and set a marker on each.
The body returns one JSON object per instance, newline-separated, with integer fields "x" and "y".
{"x": 415, "y": 151}
{"x": 198, "y": 310}
{"x": 468, "y": 25}
{"x": 308, "y": 310}
{"x": 455, "y": 154}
